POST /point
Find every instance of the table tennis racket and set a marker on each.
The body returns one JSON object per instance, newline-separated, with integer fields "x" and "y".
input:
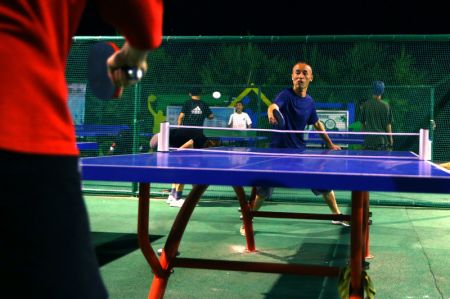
{"x": 98, "y": 80}
{"x": 279, "y": 118}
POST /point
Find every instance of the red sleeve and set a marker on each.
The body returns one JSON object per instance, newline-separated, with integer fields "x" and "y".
{"x": 140, "y": 21}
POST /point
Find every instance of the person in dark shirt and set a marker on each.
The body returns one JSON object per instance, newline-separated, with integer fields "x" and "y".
{"x": 194, "y": 110}
{"x": 376, "y": 116}
{"x": 193, "y": 113}
{"x": 182, "y": 138}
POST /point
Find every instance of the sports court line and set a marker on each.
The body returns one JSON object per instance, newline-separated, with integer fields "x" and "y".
{"x": 295, "y": 155}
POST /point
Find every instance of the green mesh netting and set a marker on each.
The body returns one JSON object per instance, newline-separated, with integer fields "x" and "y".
{"x": 415, "y": 70}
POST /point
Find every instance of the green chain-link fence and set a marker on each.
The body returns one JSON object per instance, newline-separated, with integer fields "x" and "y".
{"x": 415, "y": 69}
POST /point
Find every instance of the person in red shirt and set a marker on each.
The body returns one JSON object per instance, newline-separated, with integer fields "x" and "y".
{"x": 45, "y": 245}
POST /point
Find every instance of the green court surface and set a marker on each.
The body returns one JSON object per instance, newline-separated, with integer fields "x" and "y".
{"x": 410, "y": 247}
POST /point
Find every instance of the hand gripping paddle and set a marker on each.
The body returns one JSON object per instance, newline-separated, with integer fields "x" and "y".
{"x": 279, "y": 118}
{"x": 98, "y": 80}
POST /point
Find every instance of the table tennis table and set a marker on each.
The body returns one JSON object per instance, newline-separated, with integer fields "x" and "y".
{"x": 238, "y": 140}
{"x": 227, "y": 140}
{"x": 95, "y": 130}
{"x": 339, "y": 139}
{"x": 357, "y": 171}
{"x": 87, "y": 146}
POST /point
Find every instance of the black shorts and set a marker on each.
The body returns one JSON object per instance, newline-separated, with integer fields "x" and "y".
{"x": 178, "y": 137}
{"x": 45, "y": 245}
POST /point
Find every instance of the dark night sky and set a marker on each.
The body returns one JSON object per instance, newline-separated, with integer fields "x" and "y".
{"x": 290, "y": 17}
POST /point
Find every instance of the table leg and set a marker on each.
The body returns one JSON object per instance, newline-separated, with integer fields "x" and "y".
{"x": 356, "y": 251}
{"x": 366, "y": 227}
{"x": 170, "y": 249}
{"x": 143, "y": 220}
{"x": 247, "y": 218}
{"x": 144, "y": 242}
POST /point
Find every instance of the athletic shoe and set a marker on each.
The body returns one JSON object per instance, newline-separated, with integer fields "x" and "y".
{"x": 343, "y": 223}
{"x": 170, "y": 198}
{"x": 177, "y": 203}
{"x": 242, "y": 231}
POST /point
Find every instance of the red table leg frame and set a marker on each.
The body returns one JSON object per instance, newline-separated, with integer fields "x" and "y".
{"x": 162, "y": 267}
{"x": 359, "y": 231}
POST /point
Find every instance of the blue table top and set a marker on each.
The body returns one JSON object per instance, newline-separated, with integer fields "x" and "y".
{"x": 293, "y": 168}
{"x": 94, "y": 130}
{"x": 87, "y": 146}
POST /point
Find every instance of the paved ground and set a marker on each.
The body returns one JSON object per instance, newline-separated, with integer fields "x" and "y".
{"x": 410, "y": 246}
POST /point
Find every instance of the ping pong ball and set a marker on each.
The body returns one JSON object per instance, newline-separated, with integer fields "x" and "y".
{"x": 216, "y": 94}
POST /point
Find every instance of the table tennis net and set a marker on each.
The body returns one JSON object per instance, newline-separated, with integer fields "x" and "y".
{"x": 254, "y": 141}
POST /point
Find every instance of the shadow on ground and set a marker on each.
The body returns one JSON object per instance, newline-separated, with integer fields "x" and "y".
{"x": 112, "y": 246}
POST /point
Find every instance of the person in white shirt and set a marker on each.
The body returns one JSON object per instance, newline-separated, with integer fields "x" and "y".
{"x": 239, "y": 119}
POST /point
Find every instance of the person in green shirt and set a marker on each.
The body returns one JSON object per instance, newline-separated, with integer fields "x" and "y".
{"x": 376, "y": 116}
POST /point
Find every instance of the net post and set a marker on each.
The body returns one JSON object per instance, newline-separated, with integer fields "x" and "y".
{"x": 424, "y": 145}
{"x": 163, "y": 137}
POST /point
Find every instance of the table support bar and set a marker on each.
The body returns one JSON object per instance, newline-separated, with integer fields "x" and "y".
{"x": 295, "y": 269}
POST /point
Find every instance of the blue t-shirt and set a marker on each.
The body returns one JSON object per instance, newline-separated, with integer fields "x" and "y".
{"x": 298, "y": 112}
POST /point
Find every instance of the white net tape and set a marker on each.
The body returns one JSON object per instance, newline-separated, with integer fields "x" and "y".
{"x": 424, "y": 142}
